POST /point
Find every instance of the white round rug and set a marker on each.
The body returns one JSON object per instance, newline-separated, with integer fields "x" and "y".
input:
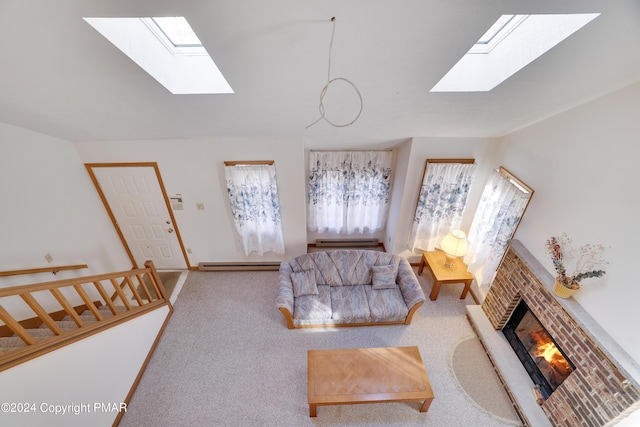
{"x": 474, "y": 373}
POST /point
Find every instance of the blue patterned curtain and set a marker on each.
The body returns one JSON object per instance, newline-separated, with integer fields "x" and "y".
{"x": 441, "y": 204}
{"x": 498, "y": 214}
{"x": 348, "y": 190}
{"x": 253, "y": 194}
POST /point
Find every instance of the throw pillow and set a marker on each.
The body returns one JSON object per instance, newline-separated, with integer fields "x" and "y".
{"x": 384, "y": 276}
{"x": 304, "y": 283}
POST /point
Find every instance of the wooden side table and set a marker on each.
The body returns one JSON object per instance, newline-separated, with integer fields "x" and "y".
{"x": 458, "y": 273}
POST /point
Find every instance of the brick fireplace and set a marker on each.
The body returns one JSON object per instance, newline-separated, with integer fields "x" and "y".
{"x": 600, "y": 388}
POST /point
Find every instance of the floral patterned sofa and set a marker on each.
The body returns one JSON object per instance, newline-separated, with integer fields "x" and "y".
{"x": 348, "y": 288}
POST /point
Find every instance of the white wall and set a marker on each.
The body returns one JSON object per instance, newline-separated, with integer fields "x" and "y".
{"x": 398, "y": 194}
{"x": 583, "y": 167}
{"x": 195, "y": 169}
{"x": 49, "y": 205}
{"x": 99, "y": 369}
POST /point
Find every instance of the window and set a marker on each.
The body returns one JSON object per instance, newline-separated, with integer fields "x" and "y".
{"x": 442, "y": 201}
{"x": 497, "y": 28}
{"x": 349, "y": 190}
{"x": 496, "y": 33}
{"x": 503, "y": 202}
{"x": 253, "y": 194}
{"x": 177, "y": 31}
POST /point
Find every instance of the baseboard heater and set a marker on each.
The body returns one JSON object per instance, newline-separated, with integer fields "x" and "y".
{"x": 238, "y": 266}
{"x": 351, "y": 243}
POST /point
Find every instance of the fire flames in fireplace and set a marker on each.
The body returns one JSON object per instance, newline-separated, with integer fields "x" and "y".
{"x": 544, "y": 361}
{"x": 551, "y": 362}
{"x": 547, "y": 350}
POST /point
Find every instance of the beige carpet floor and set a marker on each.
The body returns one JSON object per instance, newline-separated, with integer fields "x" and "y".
{"x": 226, "y": 358}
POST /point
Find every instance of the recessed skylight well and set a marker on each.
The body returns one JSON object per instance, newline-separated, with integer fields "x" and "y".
{"x": 167, "y": 49}
{"x": 497, "y": 28}
{"x": 496, "y": 33}
{"x": 177, "y": 31}
{"x": 509, "y": 45}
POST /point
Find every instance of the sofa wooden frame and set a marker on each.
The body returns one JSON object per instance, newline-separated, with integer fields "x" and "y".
{"x": 289, "y": 318}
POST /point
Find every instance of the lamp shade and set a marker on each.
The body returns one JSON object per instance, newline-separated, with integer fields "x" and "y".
{"x": 455, "y": 243}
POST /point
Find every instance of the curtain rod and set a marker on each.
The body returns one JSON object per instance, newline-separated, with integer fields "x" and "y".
{"x": 346, "y": 151}
{"x": 250, "y": 162}
{"x": 465, "y": 161}
{"x": 503, "y": 172}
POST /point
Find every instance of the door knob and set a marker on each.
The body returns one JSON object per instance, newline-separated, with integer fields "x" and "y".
{"x": 170, "y": 230}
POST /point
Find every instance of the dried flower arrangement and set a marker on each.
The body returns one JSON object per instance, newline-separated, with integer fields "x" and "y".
{"x": 590, "y": 260}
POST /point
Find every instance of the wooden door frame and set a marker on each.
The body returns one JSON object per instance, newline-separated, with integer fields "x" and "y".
{"x": 154, "y": 165}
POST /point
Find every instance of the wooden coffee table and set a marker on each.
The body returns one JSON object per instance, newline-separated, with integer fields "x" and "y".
{"x": 367, "y": 375}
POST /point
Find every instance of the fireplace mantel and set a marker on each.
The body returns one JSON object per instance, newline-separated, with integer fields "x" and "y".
{"x": 605, "y": 382}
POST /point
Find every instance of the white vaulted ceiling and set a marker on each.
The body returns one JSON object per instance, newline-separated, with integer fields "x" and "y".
{"x": 60, "y": 77}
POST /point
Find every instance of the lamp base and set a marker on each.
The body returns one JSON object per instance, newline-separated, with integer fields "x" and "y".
{"x": 448, "y": 261}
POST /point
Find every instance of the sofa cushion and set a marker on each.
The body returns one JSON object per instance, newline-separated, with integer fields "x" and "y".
{"x": 354, "y": 266}
{"x": 321, "y": 264}
{"x": 386, "y": 305}
{"x": 304, "y": 283}
{"x": 349, "y": 304}
{"x": 342, "y": 267}
{"x": 384, "y": 276}
{"x": 313, "y": 307}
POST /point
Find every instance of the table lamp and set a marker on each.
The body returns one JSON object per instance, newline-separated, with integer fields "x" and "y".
{"x": 454, "y": 245}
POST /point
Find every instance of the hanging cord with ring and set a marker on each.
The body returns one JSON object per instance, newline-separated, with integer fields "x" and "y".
{"x": 323, "y": 92}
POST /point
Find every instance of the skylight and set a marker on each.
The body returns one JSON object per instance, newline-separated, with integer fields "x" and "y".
{"x": 497, "y": 32}
{"x": 178, "y": 31}
{"x": 497, "y": 28}
{"x": 509, "y": 45}
{"x": 167, "y": 49}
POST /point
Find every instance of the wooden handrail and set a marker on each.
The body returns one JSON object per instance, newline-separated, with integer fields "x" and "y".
{"x": 53, "y": 270}
{"x": 131, "y": 300}
{"x": 15, "y": 290}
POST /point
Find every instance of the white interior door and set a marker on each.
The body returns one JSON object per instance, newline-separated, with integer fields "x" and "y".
{"x": 138, "y": 205}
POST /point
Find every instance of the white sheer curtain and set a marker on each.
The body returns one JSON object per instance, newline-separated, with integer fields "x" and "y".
{"x": 253, "y": 194}
{"x": 348, "y": 190}
{"x": 498, "y": 214}
{"x": 441, "y": 204}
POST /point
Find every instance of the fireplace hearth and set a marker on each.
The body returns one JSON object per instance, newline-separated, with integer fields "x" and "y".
{"x": 543, "y": 360}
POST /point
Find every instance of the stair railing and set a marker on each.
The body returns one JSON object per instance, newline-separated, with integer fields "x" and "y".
{"x": 126, "y": 294}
